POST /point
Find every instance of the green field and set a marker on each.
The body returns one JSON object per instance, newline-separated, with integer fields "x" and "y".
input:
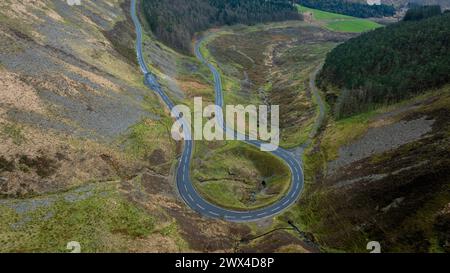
{"x": 323, "y": 15}
{"x": 339, "y": 22}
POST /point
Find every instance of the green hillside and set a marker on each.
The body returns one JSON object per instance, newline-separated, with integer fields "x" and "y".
{"x": 387, "y": 65}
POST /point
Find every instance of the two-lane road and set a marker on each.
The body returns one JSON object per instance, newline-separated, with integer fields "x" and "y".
{"x": 184, "y": 183}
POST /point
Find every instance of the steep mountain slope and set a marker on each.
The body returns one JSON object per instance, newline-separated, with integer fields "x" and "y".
{"x": 56, "y": 88}
{"x": 86, "y": 152}
{"x": 75, "y": 122}
{"x": 382, "y": 176}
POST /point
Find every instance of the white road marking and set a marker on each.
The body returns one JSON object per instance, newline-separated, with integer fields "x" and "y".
{"x": 275, "y": 209}
{"x": 293, "y": 164}
{"x": 213, "y": 213}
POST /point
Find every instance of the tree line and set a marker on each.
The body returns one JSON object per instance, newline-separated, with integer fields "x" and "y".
{"x": 175, "y": 21}
{"x": 386, "y": 65}
{"x": 349, "y": 8}
{"x": 417, "y": 12}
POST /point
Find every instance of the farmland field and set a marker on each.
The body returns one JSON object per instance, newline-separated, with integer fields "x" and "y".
{"x": 323, "y": 15}
{"x": 339, "y": 22}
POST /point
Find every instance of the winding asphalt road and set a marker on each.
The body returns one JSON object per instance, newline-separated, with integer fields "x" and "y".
{"x": 184, "y": 183}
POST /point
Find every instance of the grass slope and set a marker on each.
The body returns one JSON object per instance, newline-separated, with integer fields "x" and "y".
{"x": 99, "y": 219}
